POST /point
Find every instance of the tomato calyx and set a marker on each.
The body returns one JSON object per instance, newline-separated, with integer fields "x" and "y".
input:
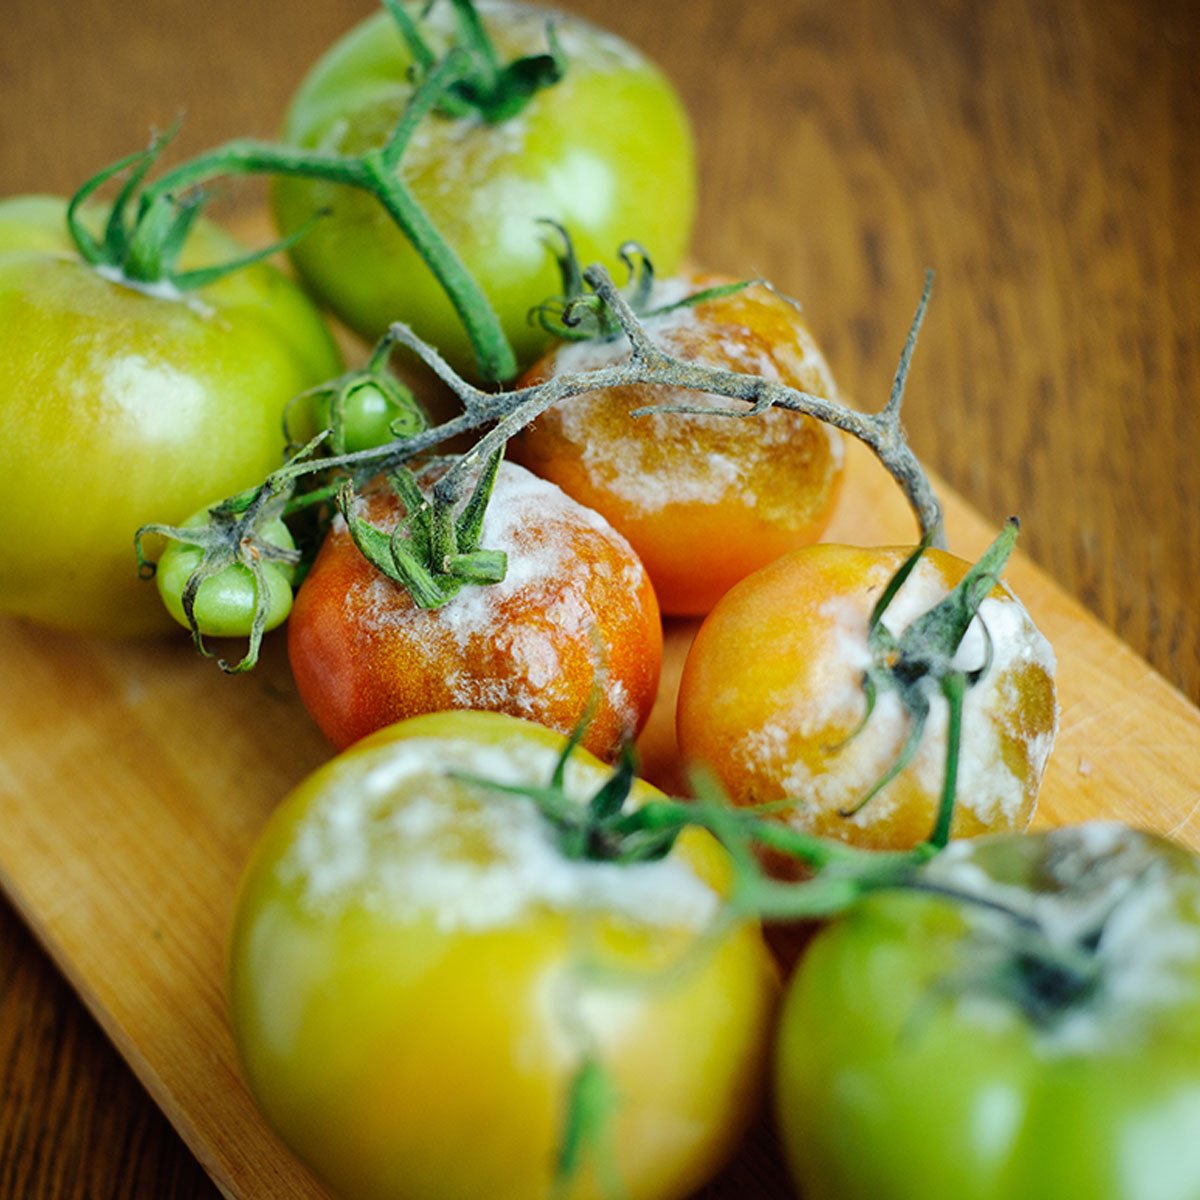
{"x": 602, "y": 830}
{"x": 921, "y": 658}
{"x": 433, "y": 551}
{"x": 605, "y": 830}
{"x": 486, "y": 88}
{"x": 142, "y": 249}
{"x": 231, "y": 535}
{"x": 142, "y": 241}
{"x": 1058, "y": 922}
{"x": 580, "y": 314}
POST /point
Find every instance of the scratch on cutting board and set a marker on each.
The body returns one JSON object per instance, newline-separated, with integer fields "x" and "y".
{"x": 1181, "y": 823}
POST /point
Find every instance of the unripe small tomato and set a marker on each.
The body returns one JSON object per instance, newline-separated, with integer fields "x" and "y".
{"x": 225, "y": 602}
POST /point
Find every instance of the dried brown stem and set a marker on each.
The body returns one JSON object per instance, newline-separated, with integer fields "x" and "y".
{"x": 509, "y": 412}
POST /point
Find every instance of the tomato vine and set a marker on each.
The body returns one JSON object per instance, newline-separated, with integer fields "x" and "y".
{"x": 142, "y": 247}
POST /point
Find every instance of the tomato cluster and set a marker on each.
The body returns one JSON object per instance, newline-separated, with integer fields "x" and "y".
{"x": 465, "y": 913}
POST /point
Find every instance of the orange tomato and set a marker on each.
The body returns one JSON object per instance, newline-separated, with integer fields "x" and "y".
{"x": 773, "y": 689}
{"x": 575, "y": 607}
{"x": 703, "y": 500}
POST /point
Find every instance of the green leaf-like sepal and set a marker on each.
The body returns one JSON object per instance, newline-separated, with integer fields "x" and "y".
{"x": 578, "y": 314}
{"x": 485, "y": 88}
{"x": 592, "y": 1102}
{"x": 431, "y": 553}
{"x": 919, "y": 662}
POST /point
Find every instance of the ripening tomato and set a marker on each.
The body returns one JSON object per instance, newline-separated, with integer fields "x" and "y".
{"x": 124, "y": 405}
{"x": 574, "y": 609}
{"x": 418, "y": 975}
{"x": 1035, "y": 1034}
{"x": 773, "y": 689}
{"x": 606, "y": 152}
{"x": 703, "y": 500}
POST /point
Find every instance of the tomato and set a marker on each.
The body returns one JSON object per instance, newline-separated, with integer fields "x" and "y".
{"x": 417, "y": 975}
{"x": 369, "y": 416}
{"x": 938, "y": 1048}
{"x": 607, "y": 152}
{"x": 703, "y": 500}
{"x": 575, "y": 607}
{"x": 126, "y": 405}
{"x": 225, "y": 601}
{"x": 772, "y": 691}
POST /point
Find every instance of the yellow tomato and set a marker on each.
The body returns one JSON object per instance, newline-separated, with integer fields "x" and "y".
{"x": 418, "y": 975}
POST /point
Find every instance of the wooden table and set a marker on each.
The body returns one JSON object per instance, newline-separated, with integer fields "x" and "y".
{"x": 1043, "y": 157}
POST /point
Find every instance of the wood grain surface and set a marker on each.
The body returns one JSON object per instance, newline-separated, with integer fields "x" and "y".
{"x": 1044, "y": 158}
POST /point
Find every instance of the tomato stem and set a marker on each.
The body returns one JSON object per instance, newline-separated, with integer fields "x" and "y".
{"x": 374, "y": 172}
{"x": 954, "y": 688}
{"x": 503, "y": 414}
{"x": 577, "y": 314}
{"x": 167, "y": 207}
{"x": 510, "y": 411}
{"x": 468, "y": 79}
{"x": 587, "y": 1125}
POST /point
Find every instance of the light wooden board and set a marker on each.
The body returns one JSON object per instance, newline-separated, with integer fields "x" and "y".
{"x": 134, "y": 779}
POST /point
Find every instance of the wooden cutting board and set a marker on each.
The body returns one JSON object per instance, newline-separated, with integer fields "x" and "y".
{"x": 135, "y": 778}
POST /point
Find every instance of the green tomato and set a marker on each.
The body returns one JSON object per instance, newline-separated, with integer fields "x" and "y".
{"x": 225, "y": 602}
{"x": 372, "y": 412}
{"x": 607, "y": 152}
{"x": 418, "y": 976}
{"x": 124, "y": 405}
{"x": 1036, "y": 1037}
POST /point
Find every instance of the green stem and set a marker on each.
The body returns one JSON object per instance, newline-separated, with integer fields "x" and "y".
{"x": 371, "y": 173}
{"x": 249, "y": 156}
{"x": 954, "y": 688}
{"x": 494, "y": 356}
{"x": 473, "y": 37}
{"x": 435, "y": 85}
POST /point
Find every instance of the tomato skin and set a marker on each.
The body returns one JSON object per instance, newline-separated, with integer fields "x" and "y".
{"x": 704, "y": 501}
{"x": 123, "y": 407}
{"x": 772, "y": 689}
{"x": 575, "y": 601}
{"x": 892, "y": 1080}
{"x": 607, "y": 152}
{"x": 411, "y": 1052}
